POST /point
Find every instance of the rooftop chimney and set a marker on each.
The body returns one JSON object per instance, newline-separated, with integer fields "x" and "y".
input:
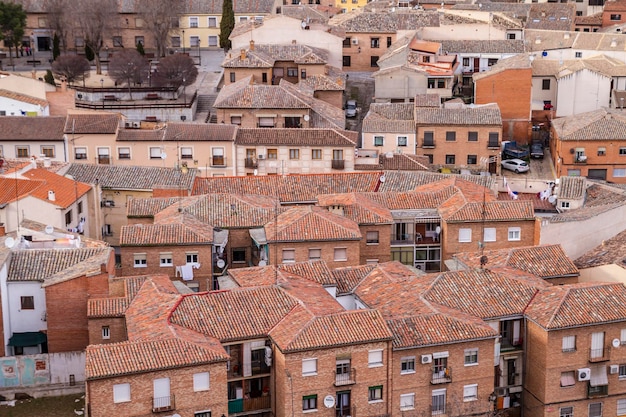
{"x": 252, "y": 45}
{"x": 242, "y": 54}
{"x": 336, "y": 209}
{"x": 51, "y": 196}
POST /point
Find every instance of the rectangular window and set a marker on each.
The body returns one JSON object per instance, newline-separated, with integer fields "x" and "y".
{"x": 438, "y": 401}
{"x": 450, "y": 159}
{"x": 622, "y": 151}
{"x": 213, "y": 40}
{"x": 616, "y": 17}
{"x": 175, "y": 41}
{"x": 217, "y": 157}
{"x": 337, "y": 154}
{"x": 622, "y": 336}
{"x": 346, "y": 61}
{"x": 429, "y": 139}
{"x": 470, "y": 392}
{"x": 104, "y": 156}
{"x": 375, "y": 393}
{"x": 123, "y": 153}
{"x": 566, "y": 412}
{"x": 106, "y": 332}
{"x": 472, "y": 159}
{"x": 371, "y": 237}
{"x": 155, "y": 152}
{"x": 239, "y": 255}
{"x": 568, "y": 379}
{"x": 294, "y": 153}
{"x": 191, "y": 257}
{"x": 545, "y": 84}
{"x": 140, "y": 260}
{"x": 515, "y": 233}
{"x": 373, "y": 61}
{"x": 121, "y": 393}
{"x": 578, "y": 55}
{"x": 465, "y": 235}
{"x": 601, "y": 151}
{"x": 407, "y": 365}
{"x": 315, "y": 254}
{"x": 389, "y": 40}
{"x": 489, "y": 234}
{"x": 292, "y": 72}
{"x": 341, "y": 254}
{"x": 407, "y": 401}
{"x": 347, "y": 42}
{"x": 316, "y": 154}
{"x": 494, "y": 140}
{"x": 375, "y": 358}
{"x": 309, "y": 402}
{"x": 289, "y": 256}
{"x": 450, "y": 136}
{"x": 403, "y": 141}
{"x": 622, "y": 371}
{"x": 193, "y": 21}
{"x": 621, "y": 407}
{"x": 27, "y": 302}
{"x": 24, "y": 151}
{"x": 303, "y": 74}
{"x": 212, "y": 22}
{"x": 68, "y": 217}
{"x": 186, "y": 153}
{"x": 232, "y": 77}
{"x": 235, "y": 120}
{"x": 379, "y": 140}
{"x": 117, "y": 42}
{"x": 201, "y": 381}
{"x": 619, "y": 172}
{"x": 309, "y": 367}
{"x": 374, "y": 42}
{"x": 471, "y": 357}
{"x": 595, "y": 410}
{"x": 472, "y": 136}
{"x": 272, "y": 154}
{"x": 47, "y": 151}
{"x": 165, "y": 259}
{"x": 264, "y": 77}
{"x": 79, "y": 207}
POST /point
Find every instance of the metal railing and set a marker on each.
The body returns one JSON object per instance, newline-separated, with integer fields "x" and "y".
{"x": 442, "y": 376}
{"x": 345, "y": 378}
{"x": 251, "y": 163}
{"x": 338, "y": 164}
{"x": 160, "y": 404}
{"x": 599, "y": 355}
{"x": 218, "y": 161}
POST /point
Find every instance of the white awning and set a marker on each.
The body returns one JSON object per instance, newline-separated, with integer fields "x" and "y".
{"x": 599, "y": 376}
{"x": 567, "y": 379}
{"x": 258, "y": 235}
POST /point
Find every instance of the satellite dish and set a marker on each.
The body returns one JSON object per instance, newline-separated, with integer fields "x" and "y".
{"x": 220, "y": 263}
{"x": 163, "y": 155}
{"x": 307, "y": 117}
{"x": 256, "y": 172}
{"x": 438, "y": 229}
{"x": 9, "y": 242}
{"x": 262, "y": 263}
{"x": 329, "y": 401}
{"x": 49, "y": 229}
{"x": 616, "y": 343}
{"x": 552, "y": 199}
{"x": 382, "y": 178}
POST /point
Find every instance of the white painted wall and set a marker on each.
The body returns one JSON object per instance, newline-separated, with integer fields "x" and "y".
{"x": 64, "y": 364}
{"x": 401, "y": 83}
{"x": 8, "y": 147}
{"x": 390, "y": 141}
{"x": 14, "y": 107}
{"x": 582, "y": 91}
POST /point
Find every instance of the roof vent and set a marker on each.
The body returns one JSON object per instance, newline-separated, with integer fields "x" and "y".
{"x": 538, "y": 40}
{"x": 51, "y": 196}
{"x": 566, "y": 35}
{"x": 613, "y": 43}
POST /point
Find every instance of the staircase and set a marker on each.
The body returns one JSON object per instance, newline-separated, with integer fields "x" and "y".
{"x": 205, "y": 110}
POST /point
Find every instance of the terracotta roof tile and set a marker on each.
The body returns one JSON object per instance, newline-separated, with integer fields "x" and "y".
{"x": 389, "y": 118}
{"x": 572, "y": 187}
{"x": 234, "y": 210}
{"x": 405, "y": 181}
{"x": 403, "y": 162}
{"x": 14, "y": 95}
{"x": 316, "y": 271}
{"x": 201, "y": 132}
{"x": 166, "y": 234}
{"x": 140, "y": 135}
{"x": 358, "y": 207}
{"x": 32, "y": 129}
{"x": 12, "y": 189}
{"x": 385, "y": 21}
{"x": 257, "y": 276}
{"x": 500, "y": 46}
{"x": 611, "y": 251}
{"x": 487, "y": 115}
{"x": 602, "y": 124}
{"x": 492, "y": 211}
{"x": 131, "y": 177}
{"x": 97, "y": 123}
{"x": 349, "y": 277}
{"x": 577, "y": 305}
{"x": 265, "y": 55}
{"x": 310, "y": 224}
{"x": 41, "y": 264}
{"x": 239, "y": 6}
{"x": 66, "y": 191}
{"x": 148, "y": 207}
{"x": 551, "y": 16}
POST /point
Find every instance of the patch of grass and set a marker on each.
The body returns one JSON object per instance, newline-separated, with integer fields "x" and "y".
{"x": 48, "y": 406}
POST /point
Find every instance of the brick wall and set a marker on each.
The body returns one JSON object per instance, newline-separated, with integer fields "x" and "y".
{"x": 361, "y": 54}
{"x": 327, "y": 252}
{"x": 380, "y": 250}
{"x": 117, "y": 330}
{"x": 99, "y": 395}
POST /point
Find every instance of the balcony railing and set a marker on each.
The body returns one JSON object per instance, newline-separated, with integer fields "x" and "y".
{"x": 428, "y": 144}
{"x": 440, "y": 409}
{"x": 252, "y": 163}
{"x": 249, "y": 404}
{"x": 598, "y": 391}
{"x": 599, "y": 355}
{"x": 338, "y": 164}
{"x": 345, "y": 378}
{"x": 160, "y": 404}
{"x": 218, "y": 161}
{"x": 441, "y": 376}
{"x": 493, "y": 145}
{"x": 580, "y": 159}
{"x": 104, "y": 160}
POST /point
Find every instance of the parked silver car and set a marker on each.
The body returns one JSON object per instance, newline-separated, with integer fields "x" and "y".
{"x": 351, "y": 108}
{"x": 516, "y": 165}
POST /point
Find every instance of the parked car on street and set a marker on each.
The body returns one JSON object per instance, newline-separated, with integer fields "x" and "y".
{"x": 351, "y": 108}
{"x": 536, "y": 150}
{"x": 516, "y": 165}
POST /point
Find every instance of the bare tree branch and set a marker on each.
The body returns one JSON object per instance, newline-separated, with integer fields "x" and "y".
{"x": 59, "y": 19}
{"x": 175, "y": 71}
{"x": 129, "y": 67}
{"x": 159, "y": 18}
{"x": 96, "y": 19}
{"x": 71, "y": 68}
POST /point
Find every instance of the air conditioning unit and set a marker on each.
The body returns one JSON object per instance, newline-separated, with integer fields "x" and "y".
{"x": 261, "y": 156}
{"x": 355, "y": 41}
{"x": 427, "y": 359}
{"x": 613, "y": 369}
{"x": 584, "y": 374}
{"x": 137, "y": 125}
{"x": 128, "y": 125}
{"x": 500, "y": 392}
{"x": 108, "y": 203}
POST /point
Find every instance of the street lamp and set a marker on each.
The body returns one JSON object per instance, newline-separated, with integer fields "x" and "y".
{"x": 199, "y": 57}
{"x": 183, "y": 41}
{"x": 33, "y": 48}
{"x": 101, "y": 82}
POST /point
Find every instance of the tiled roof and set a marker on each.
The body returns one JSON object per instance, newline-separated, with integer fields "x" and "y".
{"x": 32, "y": 129}
{"x": 601, "y": 64}
{"x": 239, "y": 6}
{"x": 66, "y": 191}
{"x": 577, "y": 305}
{"x": 361, "y": 21}
{"x": 551, "y": 16}
{"x": 403, "y": 162}
{"x": 300, "y": 137}
{"x": 131, "y": 177}
{"x": 601, "y": 124}
{"x": 427, "y": 100}
{"x": 572, "y": 187}
{"x": 304, "y": 12}
{"x": 316, "y": 271}
{"x": 492, "y": 211}
{"x": 516, "y": 62}
{"x": 309, "y": 224}
{"x": 166, "y": 234}
{"x": 495, "y": 294}
{"x": 437, "y": 329}
{"x": 611, "y": 251}
{"x": 116, "y": 306}
{"x": 290, "y": 188}
{"x": 234, "y": 210}
{"x": 358, "y": 207}
{"x": 12, "y": 189}
{"x": 349, "y": 277}
{"x": 546, "y": 261}
{"x": 324, "y": 114}
{"x": 13, "y": 95}
{"x": 595, "y": 20}
{"x": 265, "y": 55}
{"x": 238, "y": 314}
{"x": 43, "y": 264}
{"x": 496, "y": 46}
{"x": 254, "y": 276}
{"x": 472, "y": 116}
{"x": 212, "y": 132}
{"x": 244, "y": 95}
{"x": 148, "y": 207}
{"x": 96, "y": 123}
{"x": 333, "y": 81}
{"x": 406, "y": 181}
{"x": 389, "y": 118}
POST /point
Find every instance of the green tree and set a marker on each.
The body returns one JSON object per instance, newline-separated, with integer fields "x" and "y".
{"x": 49, "y": 78}
{"x": 140, "y": 49}
{"x": 56, "y": 43}
{"x": 12, "y": 26}
{"x": 226, "y": 24}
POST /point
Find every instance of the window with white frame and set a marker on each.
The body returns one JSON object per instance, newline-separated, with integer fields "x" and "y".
{"x": 47, "y": 151}
{"x": 407, "y": 401}
{"x": 622, "y": 371}
{"x": 194, "y": 41}
{"x": 106, "y": 332}
{"x": 123, "y": 152}
{"x": 104, "y": 156}
{"x": 289, "y": 256}
{"x": 379, "y": 140}
{"x": 489, "y": 234}
{"x": 566, "y": 412}
{"x": 515, "y": 233}
{"x": 341, "y": 254}
{"x": 140, "y": 260}
{"x": 371, "y": 237}
{"x": 309, "y": 367}
{"x": 22, "y": 151}
{"x": 165, "y": 259}
{"x": 121, "y": 393}
{"x": 212, "y": 40}
{"x": 465, "y": 235}
{"x": 201, "y": 381}
{"x": 569, "y": 344}
{"x": 471, "y": 357}
{"x": 595, "y": 410}
{"x": 619, "y": 172}
{"x": 186, "y": 152}
{"x": 470, "y": 392}
{"x": 193, "y": 21}
{"x": 375, "y": 358}
{"x": 155, "y": 152}
{"x": 621, "y": 407}
{"x": 212, "y": 21}
{"x": 438, "y": 401}
{"x": 80, "y": 153}
{"x": 403, "y": 141}
{"x": 407, "y": 365}
{"x": 243, "y": 18}
{"x": 315, "y": 254}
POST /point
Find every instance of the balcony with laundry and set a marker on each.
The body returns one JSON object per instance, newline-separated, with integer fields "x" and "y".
{"x": 249, "y": 377}
{"x": 416, "y": 239}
